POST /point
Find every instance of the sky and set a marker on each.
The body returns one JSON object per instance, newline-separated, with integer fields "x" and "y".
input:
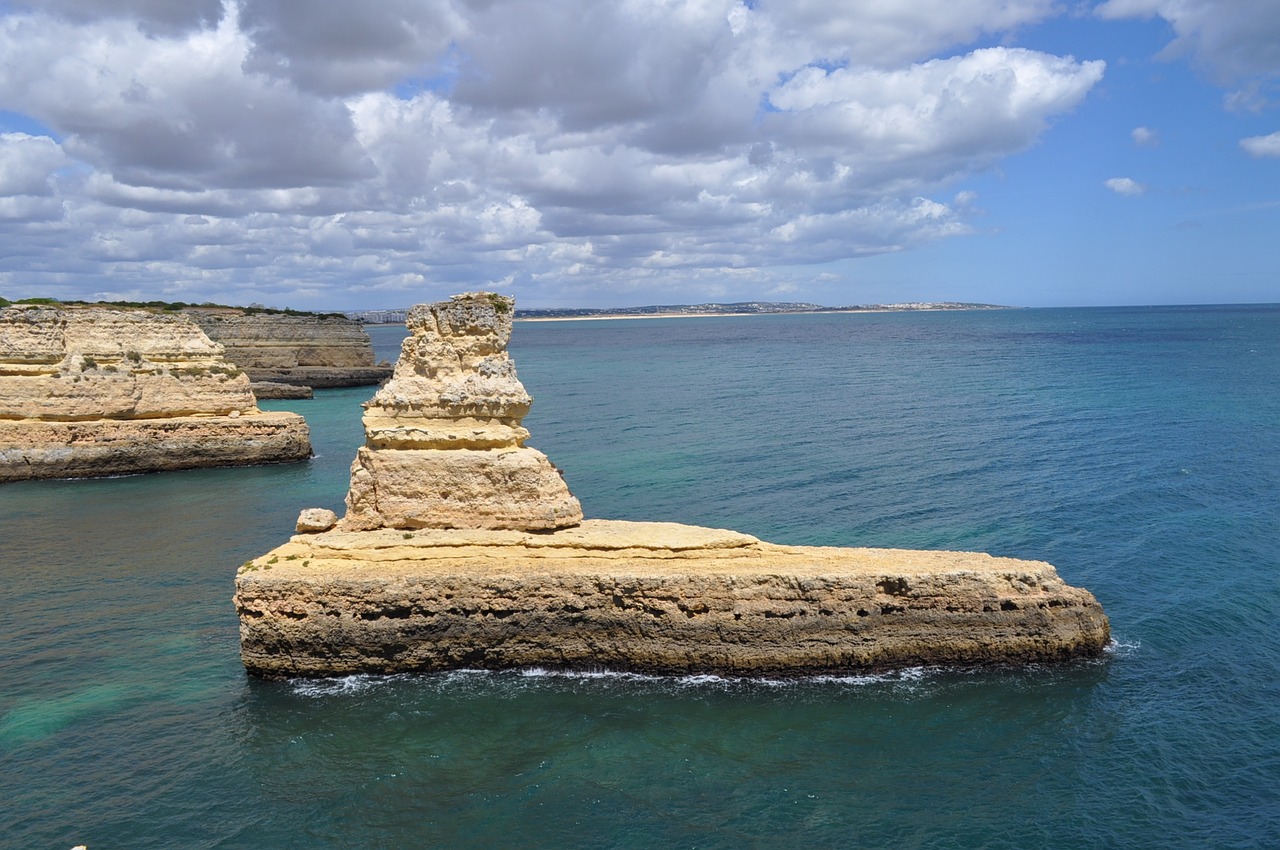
{"x": 329, "y": 155}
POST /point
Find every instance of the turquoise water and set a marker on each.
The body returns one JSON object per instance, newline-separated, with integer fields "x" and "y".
{"x": 1137, "y": 450}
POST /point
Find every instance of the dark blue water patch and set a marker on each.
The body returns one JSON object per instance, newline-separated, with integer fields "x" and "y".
{"x": 1138, "y": 450}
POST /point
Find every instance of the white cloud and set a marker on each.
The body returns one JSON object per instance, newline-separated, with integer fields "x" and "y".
{"x": 892, "y": 34}
{"x": 1236, "y": 41}
{"x": 246, "y": 150}
{"x": 27, "y": 164}
{"x": 1145, "y": 137}
{"x": 1125, "y": 186}
{"x": 1262, "y": 146}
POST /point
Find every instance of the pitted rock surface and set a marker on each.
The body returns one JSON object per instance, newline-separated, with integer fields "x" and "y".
{"x": 88, "y": 391}
{"x": 314, "y": 351}
{"x": 444, "y": 446}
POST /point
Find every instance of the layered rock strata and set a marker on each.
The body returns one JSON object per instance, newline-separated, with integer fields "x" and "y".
{"x": 94, "y": 391}
{"x": 444, "y": 447}
{"x": 462, "y": 548}
{"x": 314, "y": 351}
{"x": 648, "y": 597}
{"x": 276, "y": 390}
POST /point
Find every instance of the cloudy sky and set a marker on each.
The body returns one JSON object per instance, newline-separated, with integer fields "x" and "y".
{"x": 337, "y": 155}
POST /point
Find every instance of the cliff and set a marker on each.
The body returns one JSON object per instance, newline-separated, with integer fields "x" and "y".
{"x": 314, "y": 351}
{"x": 462, "y": 550}
{"x": 90, "y": 391}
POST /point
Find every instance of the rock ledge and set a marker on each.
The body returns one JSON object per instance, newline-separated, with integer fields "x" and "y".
{"x": 463, "y": 548}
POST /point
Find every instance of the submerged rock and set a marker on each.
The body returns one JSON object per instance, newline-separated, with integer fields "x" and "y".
{"x": 90, "y": 391}
{"x": 462, "y": 548}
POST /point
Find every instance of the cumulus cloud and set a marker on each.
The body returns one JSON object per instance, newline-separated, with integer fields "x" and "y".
{"x": 1125, "y": 186}
{"x": 1145, "y": 137}
{"x": 1262, "y": 146}
{"x": 27, "y": 164}
{"x": 245, "y": 149}
{"x": 1237, "y": 42}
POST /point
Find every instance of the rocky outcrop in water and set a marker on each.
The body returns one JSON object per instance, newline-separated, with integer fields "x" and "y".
{"x": 310, "y": 350}
{"x": 444, "y": 447}
{"x": 460, "y": 549}
{"x": 88, "y": 391}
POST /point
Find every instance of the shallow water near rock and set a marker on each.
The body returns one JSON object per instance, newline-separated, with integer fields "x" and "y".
{"x": 1138, "y": 450}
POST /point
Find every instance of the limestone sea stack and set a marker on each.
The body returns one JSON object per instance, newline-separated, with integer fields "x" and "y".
{"x": 444, "y": 447}
{"x": 92, "y": 391}
{"x": 321, "y": 351}
{"x": 462, "y": 548}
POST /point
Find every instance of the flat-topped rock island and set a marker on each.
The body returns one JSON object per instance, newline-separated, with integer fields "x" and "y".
{"x": 96, "y": 391}
{"x": 462, "y": 548}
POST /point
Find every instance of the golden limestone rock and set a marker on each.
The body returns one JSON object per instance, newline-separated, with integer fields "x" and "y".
{"x": 461, "y": 548}
{"x": 321, "y": 351}
{"x": 91, "y": 391}
{"x": 648, "y": 597}
{"x": 444, "y": 447}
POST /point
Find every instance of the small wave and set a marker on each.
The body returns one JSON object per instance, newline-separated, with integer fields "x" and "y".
{"x": 909, "y": 674}
{"x": 353, "y": 684}
{"x": 543, "y": 672}
{"x": 1118, "y": 648}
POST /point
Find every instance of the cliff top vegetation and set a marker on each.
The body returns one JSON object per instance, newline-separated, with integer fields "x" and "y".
{"x": 172, "y": 306}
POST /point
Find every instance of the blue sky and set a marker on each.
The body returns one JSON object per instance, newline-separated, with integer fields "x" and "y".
{"x": 328, "y": 155}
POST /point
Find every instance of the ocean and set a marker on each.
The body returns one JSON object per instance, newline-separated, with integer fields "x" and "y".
{"x": 1138, "y": 450}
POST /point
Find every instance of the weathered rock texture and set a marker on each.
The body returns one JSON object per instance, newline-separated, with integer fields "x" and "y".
{"x": 496, "y": 570}
{"x": 651, "y": 597}
{"x": 444, "y": 447}
{"x": 313, "y": 351}
{"x": 277, "y": 390}
{"x": 95, "y": 391}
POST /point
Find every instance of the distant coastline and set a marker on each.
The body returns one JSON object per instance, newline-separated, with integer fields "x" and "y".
{"x": 694, "y": 311}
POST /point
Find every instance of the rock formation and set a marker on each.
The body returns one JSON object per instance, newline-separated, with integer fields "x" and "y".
{"x": 90, "y": 391}
{"x": 444, "y": 447}
{"x": 461, "y": 548}
{"x": 646, "y": 597}
{"x": 314, "y": 351}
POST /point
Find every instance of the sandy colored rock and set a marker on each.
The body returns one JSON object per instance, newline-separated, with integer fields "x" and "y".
{"x": 444, "y": 446}
{"x": 462, "y": 548}
{"x": 314, "y": 520}
{"x": 88, "y": 391}
{"x": 276, "y": 390}
{"x": 307, "y": 350}
{"x": 649, "y": 597}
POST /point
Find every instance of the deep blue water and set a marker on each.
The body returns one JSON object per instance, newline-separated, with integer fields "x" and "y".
{"x": 1138, "y": 450}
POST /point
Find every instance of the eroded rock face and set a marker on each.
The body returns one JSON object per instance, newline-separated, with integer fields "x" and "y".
{"x": 444, "y": 447}
{"x": 462, "y": 548}
{"x": 649, "y": 597}
{"x": 66, "y": 364}
{"x": 314, "y": 351}
{"x": 88, "y": 391}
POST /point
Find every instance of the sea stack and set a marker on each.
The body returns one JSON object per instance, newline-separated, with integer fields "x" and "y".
{"x": 444, "y": 447}
{"x": 95, "y": 391}
{"x": 463, "y": 548}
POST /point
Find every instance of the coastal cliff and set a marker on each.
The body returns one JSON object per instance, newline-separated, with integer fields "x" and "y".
{"x": 88, "y": 391}
{"x": 454, "y": 554}
{"x": 314, "y": 351}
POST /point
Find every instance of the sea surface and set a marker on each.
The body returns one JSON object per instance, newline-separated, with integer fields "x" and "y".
{"x": 1138, "y": 450}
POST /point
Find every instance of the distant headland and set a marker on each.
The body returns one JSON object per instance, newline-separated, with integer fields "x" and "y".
{"x": 672, "y": 311}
